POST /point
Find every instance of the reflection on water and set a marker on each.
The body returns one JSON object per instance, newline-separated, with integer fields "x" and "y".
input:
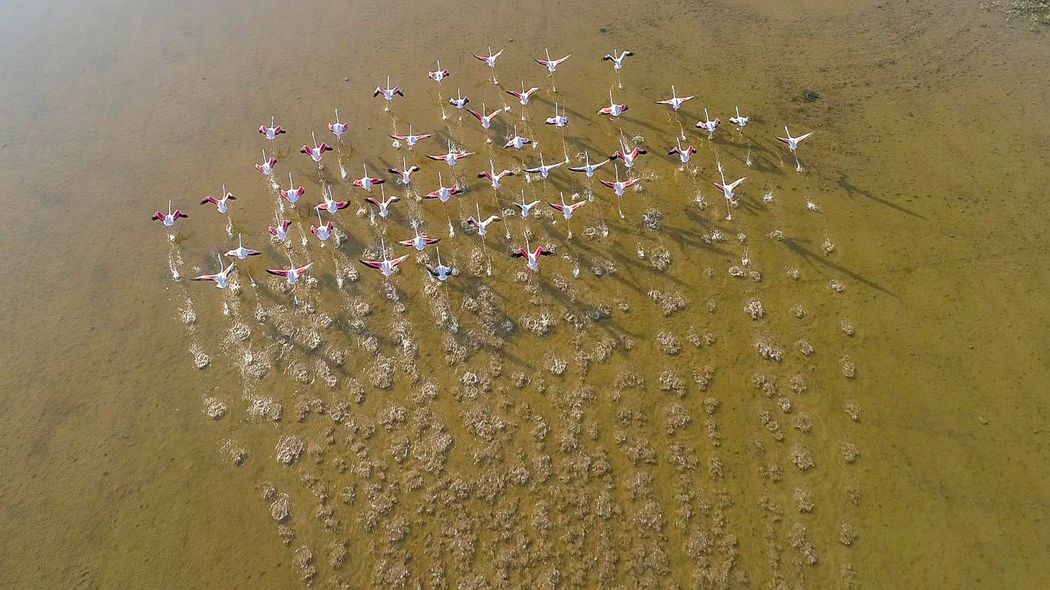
{"x": 804, "y": 386}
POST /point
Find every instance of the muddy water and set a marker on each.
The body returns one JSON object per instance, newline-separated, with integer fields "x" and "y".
{"x": 639, "y": 439}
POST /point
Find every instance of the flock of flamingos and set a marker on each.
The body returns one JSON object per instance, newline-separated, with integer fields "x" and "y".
{"x": 403, "y": 176}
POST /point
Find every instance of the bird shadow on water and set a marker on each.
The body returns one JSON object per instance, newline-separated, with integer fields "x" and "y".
{"x": 817, "y": 261}
{"x": 851, "y": 189}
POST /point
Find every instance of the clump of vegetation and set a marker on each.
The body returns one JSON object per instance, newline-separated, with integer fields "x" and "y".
{"x": 1037, "y": 11}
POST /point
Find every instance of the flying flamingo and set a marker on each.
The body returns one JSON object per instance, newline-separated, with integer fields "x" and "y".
{"x": 490, "y": 61}
{"x": 708, "y": 125}
{"x": 628, "y": 157}
{"x": 410, "y": 140}
{"x": 523, "y": 97}
{"x": 567, "y": 210}
{"x": 383, "y": 206}
{"x": 444, "y": 193}
{"x": 793, "y": 143}
{"x": 439, "y": 74}
{"x": 543, "y": 170}
{"x": 222, "y": 205}
{"x": 317, "y": 151}
{"x": 221, "y": 278}
{"x": 460, "y": 101}
{"x": 367, "y": 182}
{"x": 619, "y": 188}
{"x": 588, "y": 168}
{"x": 551, "y": 65}
{"x": 525, "y": 208}
{"x": 617, "y": 59}
{"x": 532, "y": 257}
{"x": 486, "y": 120}
{"x": 292, "y": 273}
{"x": 323, "y": 231}
{"x": 494, "y": 177}
{"x": 280, "y": 231}
{"x": 557, "y": 120}
{"x": 517, "y": 142}
{"x": 683, "y": 154}
{"x": 292, "y": 194}
{"x": 266, "y": 168}
{"x": 240, "y": 252}
{"x": 386, "y": 266}
{"x": 388, "y": 93}
{"x": 441, "y": 272}
{"x": 331, "y": 205}
{"x": 483, "y": 230}
{"x": 405, "y": 173}
{"x": 337, "y": 128}
{"x": 741, "y": 121}
{"x": 451, "y": 157}
{"x": 613, "y": 110}
{"x": 272, "y": 131}
{"x": 168, "y": 218}
{"x": 675, "y": 102}
{"x": 727, "y": 191}
{"x": 420, "y": 241}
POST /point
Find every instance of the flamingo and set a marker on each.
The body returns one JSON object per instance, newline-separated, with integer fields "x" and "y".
{"x": 617, "y": 58}
{"x": 451, "y": 157}
{"x": 482, "y": 224}
{"x": 383, "y": 206}
{"x": 441, "y": 272}
{"x": 567, "y": 209}
{"x": 793, "y": 143}
{"x": 388, "y": 93}
{"x": 543, "y": 170}
{"x": 221, "y": 278}
{"x": 727, "y": 191}
{"x": 280, "y": 231}
{"x": 240, "y": 252}
{"x": 292, "y": 194}
{"x": 628, "y": 157}
{"x": 739, "y": 120}
{"x": 367, "y": 182}
{"x": 323, "y": 231}
{"x": 411, "y": 140}
{"x": 337, "y": 128}
{"x": 317, "y": 151}
{"x": 588, "y": 168}
{"x": 420, "y": 241}
{"x": 486, "y": 120}
{"x": 532, "y": 257}
{"x": 169, "y": 218}
{"x": 460, "y": 101}
{"x": 683, "y": 155}
{"x": 405, "y": 173}
{"x": 551, "y": 65}
{"x": 490, "y": 61}
{"x": 708, "y": 125}
{"x": 444, "y": 193}
{"x": 525, "y": 208}
{"x": 517, "y": 142}
{"x": 272, "y": 131}
{"x": 439, "y": 74}
{"x": 494, "y": 177}
{"x": 292, "y": 273}
{"x": 675, "y": 102}
{"x": 557, "y": 120}
{"x": 331, "y": 205}
{"x": 222, "y": 205}
{"x": 386, "y": 266}
{"x": 266, "y": 168}
{"x": 613, "y": 110}
{"x": 523, "y": 97}
{"x": 619, "y": 188}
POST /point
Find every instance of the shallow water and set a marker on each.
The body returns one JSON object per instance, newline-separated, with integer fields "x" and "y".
{"x": 927, "y": 173}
